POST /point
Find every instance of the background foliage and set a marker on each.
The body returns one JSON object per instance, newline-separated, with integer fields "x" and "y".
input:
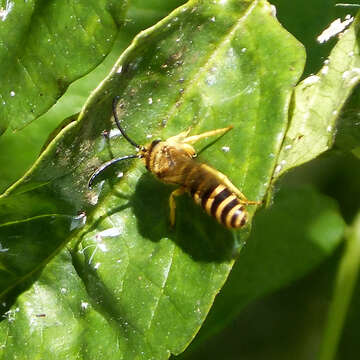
{"x": 279, "y": 291}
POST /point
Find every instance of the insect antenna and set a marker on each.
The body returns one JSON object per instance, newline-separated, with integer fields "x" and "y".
{"x": 109, "y": 163}
{"x": 114, "y": 161}
{"x": 133, "y": 143}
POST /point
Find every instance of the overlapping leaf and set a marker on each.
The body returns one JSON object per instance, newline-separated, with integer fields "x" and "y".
{"x": 44, "y": 46}
{"x": 318, "y": 101}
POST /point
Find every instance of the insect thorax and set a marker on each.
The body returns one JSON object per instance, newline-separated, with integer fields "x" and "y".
{"x": 169, "y": 162}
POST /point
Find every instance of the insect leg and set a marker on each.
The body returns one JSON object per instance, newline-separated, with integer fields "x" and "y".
{"x": 172, "y": 203}
{"x": 193, "y": 139}
{"x": 181, "y": 136}
{"x": 225, "y": 180}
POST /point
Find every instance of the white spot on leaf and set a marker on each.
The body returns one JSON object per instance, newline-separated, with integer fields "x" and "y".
{"x": 311, "y": 80}
{"x": 84, "y": 305}
{"x": 336, "y": 27}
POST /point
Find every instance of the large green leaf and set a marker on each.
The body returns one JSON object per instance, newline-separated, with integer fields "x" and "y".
{"x": 318, "y": 101}
{"x": 127, "y": 285}
{"x": 44, "y": 46}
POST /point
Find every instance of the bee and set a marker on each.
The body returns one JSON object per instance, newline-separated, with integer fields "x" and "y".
{"x": 172, "y": 162}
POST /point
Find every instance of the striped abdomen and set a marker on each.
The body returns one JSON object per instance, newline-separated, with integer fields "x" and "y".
{"x": 173, "y": 166}
{"x": 219, "y": 202}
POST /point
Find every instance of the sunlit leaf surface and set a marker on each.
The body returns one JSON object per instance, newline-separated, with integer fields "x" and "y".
{"x": 126, "y": 285}
{"x": 318, "y": 101}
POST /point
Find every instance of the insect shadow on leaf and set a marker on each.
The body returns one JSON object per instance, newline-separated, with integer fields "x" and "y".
{"x": 196, "y": 233}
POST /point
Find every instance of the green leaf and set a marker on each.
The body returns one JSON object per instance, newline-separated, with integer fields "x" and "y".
{"x": 44, "y": 46}
{"x": 348, "y": 127}
{"x": 132, "y": 286}
{"x": 24, "y": 247}
{"x": 318, "y": 101}
{"x": 142, "y": 14}
{"x": 288, "y": 240}
{"x": 23, "y": 146}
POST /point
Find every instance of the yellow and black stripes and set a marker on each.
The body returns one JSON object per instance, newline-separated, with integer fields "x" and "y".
{"x": 219, "y": 202}
{"x": 201, "y": 181}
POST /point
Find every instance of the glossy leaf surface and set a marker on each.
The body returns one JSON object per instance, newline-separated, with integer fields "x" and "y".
{"x": 125, "y": 278}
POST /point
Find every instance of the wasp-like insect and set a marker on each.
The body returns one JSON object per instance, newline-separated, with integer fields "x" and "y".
{"x": 172, "y": 162}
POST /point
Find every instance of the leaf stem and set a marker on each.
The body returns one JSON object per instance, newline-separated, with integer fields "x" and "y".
{"x": 344, "y": 285}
